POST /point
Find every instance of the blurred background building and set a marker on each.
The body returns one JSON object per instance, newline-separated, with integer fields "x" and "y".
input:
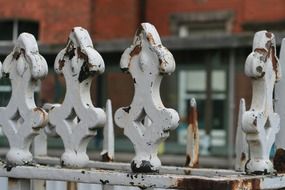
{"x": 210, "y": 40}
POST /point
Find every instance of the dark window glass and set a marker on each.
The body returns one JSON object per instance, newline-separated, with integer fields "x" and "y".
{"x": 30, "y": 27}
{"x": 6, "y": 30}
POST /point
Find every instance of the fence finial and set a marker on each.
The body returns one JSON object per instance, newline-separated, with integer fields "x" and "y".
{"x": 146, "y": 121}
{"x": 76, "y": 119}
{"x": 21, "y": 119}
{"x": 261, "y": 123}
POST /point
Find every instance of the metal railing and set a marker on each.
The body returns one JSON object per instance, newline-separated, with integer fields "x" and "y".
{"x": 146, "y": 122}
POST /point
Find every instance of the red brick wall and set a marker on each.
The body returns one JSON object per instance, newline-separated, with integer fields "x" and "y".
{"x": 56, "y": 17}
{"x": 159, "y": 11}
{"x": 108, "y": 19}
{"x": 115, "y": 19}
{"x": 267, "y": 10}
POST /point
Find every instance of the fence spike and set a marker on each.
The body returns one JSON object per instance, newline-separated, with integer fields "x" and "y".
{"x": 279, "y": 158}
{"x": 146, "y": 121}
{"x": 241, "y": 148}
{"x": 192, "y": 147}
{"x": 76, "y": 119}
{"x": 108, "y": 140}
{"x": 21, "y": 119}
{"x": 261, "y": 123}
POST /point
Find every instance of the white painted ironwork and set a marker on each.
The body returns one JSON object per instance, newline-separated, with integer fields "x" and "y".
{"x": 108, "y": 140}
{"x": 21, "y": 119}
{"x": 146, "y": 121}
{"x": 261, "y": 123}
{"x": 279, "y": 158}
{"x": 76, "y": 119}
{"x": 241, "y": 148}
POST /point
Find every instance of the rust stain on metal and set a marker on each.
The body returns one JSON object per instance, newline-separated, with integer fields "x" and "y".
{"x": 274, "y": 61}
{"x": 41, "y": 111}
{"x": 106, "y": 158}
{"x": 268, "y": 45}
{"x": 16, "y": 55}
{"x": 279, "y": 160}
{"x": 61, "y": 64}
{"x": 194, "y": 134}
{"x": 268, "y": 34}
{"x": 242, "y": 157}
{"x": 150, "y": 39}
{"x": 82, "y": 55}
{"x": 136, "y": 50}
{"x": 246, "y": 184}
{"x": 195, "y": 163}
{"x": 188, "y": 160}
{"x": 193, "y": 117}
{"x": 203, "y": 184}
{"x": 139, "y": 30}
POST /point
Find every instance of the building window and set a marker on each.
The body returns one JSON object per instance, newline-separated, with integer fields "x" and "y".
{"x": 11, "y": 29}
{"x": 205, "y": 23}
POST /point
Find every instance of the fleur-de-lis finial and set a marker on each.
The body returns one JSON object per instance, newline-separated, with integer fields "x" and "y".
{"x": 146, "y": 121}
{"x": 261, "y": 123}
{"x": 76, "y": 119}
{"x": 21, "y": 119}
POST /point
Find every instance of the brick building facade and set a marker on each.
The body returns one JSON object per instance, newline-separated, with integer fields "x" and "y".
{"x": 209, "y": 39}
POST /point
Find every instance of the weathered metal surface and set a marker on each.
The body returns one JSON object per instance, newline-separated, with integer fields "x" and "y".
{"x": 242, "y": 151}
{"x": 146, "y": 121}
{"x": 21, "y": 120}
{"x": 261, "y": 123}
{"x": 163, "y": 170}
{"x": 192, "y": 147}
{"x": 108, "y": 140}
{"x": 145, "y": 180}
{"x": 76, "y": 119}
{"x": 279, "y": 158}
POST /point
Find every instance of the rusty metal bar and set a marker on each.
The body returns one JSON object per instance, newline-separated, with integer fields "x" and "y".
{"x": 192, "y": 146}
{"x": 146, "y": 180}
